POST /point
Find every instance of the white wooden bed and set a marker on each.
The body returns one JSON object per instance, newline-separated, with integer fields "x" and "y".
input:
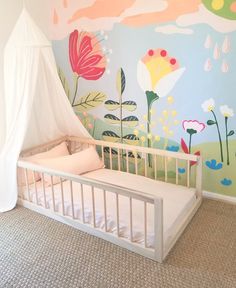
{"x": 144, "y": 209}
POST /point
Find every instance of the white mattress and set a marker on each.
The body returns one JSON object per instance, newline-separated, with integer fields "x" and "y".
{"x": 177, "y": 202}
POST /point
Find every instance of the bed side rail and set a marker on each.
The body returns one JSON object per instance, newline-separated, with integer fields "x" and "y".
{"x": 42, "y": 199}
{"x": 43, "y": 147}
{"x": 173, "y": 167}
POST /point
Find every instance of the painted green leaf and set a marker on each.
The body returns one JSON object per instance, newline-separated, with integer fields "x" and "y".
{"x": 112, "y": 119}
{"x": 129, "y": 105}
{"x": 231, "y": 133}
{"x": 110, "y": 136}
{"x": 64, "y": 82}
{"x": 107, "y": 150}
{"x": 120, "y": 81}
{"x": 132, "y": 155}
{"x": 131, "y": 139}
{"x": 90, "y": 101}
{"x": 130, "y": 121}
{"x": 211, "y": 122}
{"x": 151, "y": 97}
{"x": 111, "y": 105}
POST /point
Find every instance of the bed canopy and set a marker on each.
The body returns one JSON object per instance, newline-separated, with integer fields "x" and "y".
{"x": 36, "y": 106}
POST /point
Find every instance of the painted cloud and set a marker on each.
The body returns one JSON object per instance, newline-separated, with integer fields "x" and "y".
{"x": 140, "y": 7}
{"x": 203, "y": 15}
{"x": 173, "y": 29}
{"x": 102, "y": 15}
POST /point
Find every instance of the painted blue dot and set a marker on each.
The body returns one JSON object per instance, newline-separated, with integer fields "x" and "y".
{"x": 212, "y": 164}
{"x": 181, "y": 170}
{"x": 226, "y": 182}
{"x": 172, "y": 148}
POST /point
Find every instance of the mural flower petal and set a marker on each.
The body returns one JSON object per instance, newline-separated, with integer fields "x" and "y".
{"x": 92, "y": 73}
{"x": 193, "y": 125}
{"x": 73, "y": 52}
{"x": 167, "y": 83}
{"x": 226, "y": 111}
{"x": 91, "y": 61}
{"x": 208, "y": 105}
{"x": 85, "y": 48}
{"x": 85, "y": 62}
{"x": 143, "y": 77}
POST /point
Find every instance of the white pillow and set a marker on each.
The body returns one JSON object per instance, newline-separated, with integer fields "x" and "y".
{"x": 79, "y": 163}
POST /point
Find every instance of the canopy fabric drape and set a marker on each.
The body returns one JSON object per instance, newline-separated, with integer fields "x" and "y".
{"x": 36, "y": 106}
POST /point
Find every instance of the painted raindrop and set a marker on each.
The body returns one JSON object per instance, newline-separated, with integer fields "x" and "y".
{"x": 216, "y": 53}
{"x": 208, "y": 42}
{"x": 207, "y": 65}
{"x": 226, "y": 45}
{"x": 224, "y": 67}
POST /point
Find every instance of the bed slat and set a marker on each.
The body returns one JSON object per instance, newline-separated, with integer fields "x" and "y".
{"x": 27, "y": 184}
{"x": 119, "y": 160}
{"x": 155, "y": 166}
{"x": 82, "y": 201}
{"x": 62, "y": 197}
{"x": 176, "y": 172}
{"x": 36, "y": 189}
{"x": 110, "y": 157}
{"x": 145, "y": 164}
{"x": 72, "y": 200}
{"x": 127, "y": 160}
{"x": 117, "y": 216}
{"x": 44, "y": 191}
{"x": 188, "y": 173}
{"x": 105, "y": 209}
{"x": 145, "y": 224}
{"x": 136, "y": 162}
{"x": 94, "y": 211}
{"x": 166, "y": 169}
{"x": 131, "y": 218}
{"x": 53, "y": 196}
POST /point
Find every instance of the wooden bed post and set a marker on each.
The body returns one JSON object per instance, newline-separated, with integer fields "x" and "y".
{"x": 158, "y": 229}
{"x": 199, "y": 177}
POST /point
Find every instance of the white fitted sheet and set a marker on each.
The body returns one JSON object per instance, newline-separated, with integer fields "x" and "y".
{"x": 177, "y": 202}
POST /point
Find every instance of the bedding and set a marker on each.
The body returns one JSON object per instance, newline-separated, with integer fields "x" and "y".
{"x": 177, "y": 202}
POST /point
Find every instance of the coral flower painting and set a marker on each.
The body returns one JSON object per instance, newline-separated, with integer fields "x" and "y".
{"x": 86, "y": 61}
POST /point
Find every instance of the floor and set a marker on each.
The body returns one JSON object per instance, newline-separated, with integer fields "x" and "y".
{"x": 36, "y": 251}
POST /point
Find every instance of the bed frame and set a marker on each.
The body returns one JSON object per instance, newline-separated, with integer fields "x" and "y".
{"x": 152, "y": 163}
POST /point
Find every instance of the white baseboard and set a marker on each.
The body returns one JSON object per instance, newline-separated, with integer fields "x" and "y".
{"x": 220, "y": 197}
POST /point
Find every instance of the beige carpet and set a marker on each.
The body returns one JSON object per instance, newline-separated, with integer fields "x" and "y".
{"x": 39, "y": 252}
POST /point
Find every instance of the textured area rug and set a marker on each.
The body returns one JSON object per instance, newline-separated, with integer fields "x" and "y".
{"x": 36, "y": 251}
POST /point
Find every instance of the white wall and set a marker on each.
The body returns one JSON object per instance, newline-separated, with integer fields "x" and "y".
{"x": 9, "y": 11}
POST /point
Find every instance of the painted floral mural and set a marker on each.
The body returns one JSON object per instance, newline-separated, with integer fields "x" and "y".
{"x": 159, "y": 74}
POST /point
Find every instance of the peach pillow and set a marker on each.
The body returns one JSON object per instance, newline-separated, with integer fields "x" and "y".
{"x": 59, "y": 150}
{"x": 78, "y": 163}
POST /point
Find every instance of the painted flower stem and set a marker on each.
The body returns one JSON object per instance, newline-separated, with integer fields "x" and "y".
{"x": 121, "y": 117}
{"x": 219, "y": 135}
{"x": 94, "y": 127}
{"x": 121, "y": 131}
{"x": 149, "y": 127}
{"x": 151, "y": 97}
{"x": 190, "y": 143}
{"x": 76, "y": 90}
{"x": 227, "y": 140}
